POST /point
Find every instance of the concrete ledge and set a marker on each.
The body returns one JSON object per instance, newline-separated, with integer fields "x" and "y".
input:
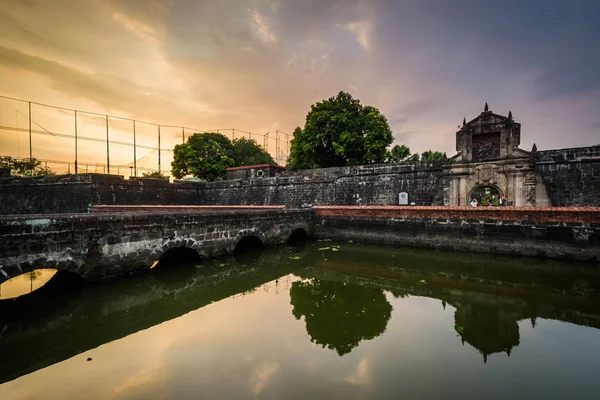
{"x": 149, "y": 208}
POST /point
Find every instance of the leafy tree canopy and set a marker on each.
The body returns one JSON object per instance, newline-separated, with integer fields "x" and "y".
{"x": 24, "y": 167}
{"x": 248, "y": 152}
{"x": 208, "y": 155}
{"x": 432, "y": 155}
{"x": 339, "y": 316}
{"x": 204, "y": 155}
{"x": 399, "y": 153}
{"x": 154, "y": 175}
{"x": 340, "y": 131}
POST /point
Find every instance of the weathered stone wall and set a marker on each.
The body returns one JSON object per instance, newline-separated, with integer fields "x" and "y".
{"x": 100, "y": 245}
{"x": 570, "y": 233}
{"x": 358, "y": 185}
{"x": 77, "y": 193}
{"x": 571, "y": 176}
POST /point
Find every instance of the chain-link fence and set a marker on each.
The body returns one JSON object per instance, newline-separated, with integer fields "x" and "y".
{"x": 73, "y": 141}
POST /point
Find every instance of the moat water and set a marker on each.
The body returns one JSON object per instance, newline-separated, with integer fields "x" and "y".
{"x": 324, "y": 320}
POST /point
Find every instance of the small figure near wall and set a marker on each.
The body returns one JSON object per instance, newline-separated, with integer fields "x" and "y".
{"x": 502, "y": 200}
{"x": 474, "y": 203}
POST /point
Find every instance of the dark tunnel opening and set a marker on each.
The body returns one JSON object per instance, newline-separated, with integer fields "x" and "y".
{"x": 179, "y": 256}
{"x": 248, "y": 250}
{"x": 298, "y": 240}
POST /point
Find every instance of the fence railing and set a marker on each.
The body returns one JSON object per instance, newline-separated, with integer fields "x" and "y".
{"x": 74, "y": 141}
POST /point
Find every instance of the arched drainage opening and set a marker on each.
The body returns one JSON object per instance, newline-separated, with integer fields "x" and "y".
{"x": 248, "y": 250}
{"x": 248, "y": 243}
{"x": 178, "y": 256}
{"x": 297, "y": 240}
{"x": 176, "y": 264}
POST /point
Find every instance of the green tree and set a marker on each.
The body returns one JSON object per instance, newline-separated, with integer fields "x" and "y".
{"x": 248, "y": 152}
{"x": 24, "y": 167}
{"x": 204, "y": 155}
{"x": 154, "y": 175}
{"x": 398, "y": 154}
{"x": 340, "y": 131}
{"x": 413, "y": 157}
{"x": 431, "y": 155}
{"x": 338, "y": 315}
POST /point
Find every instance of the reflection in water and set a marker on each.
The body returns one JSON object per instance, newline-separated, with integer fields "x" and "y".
{"x": 176, "y": 332}
{"x": 25, "y": 283}
{"x": 488, "y": 329}
{"x": 339, "y": 315}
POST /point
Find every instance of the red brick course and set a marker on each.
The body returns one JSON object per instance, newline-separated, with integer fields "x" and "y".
{"x": 525, "y": 214}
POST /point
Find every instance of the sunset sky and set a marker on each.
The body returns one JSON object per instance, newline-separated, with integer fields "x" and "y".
{"x": 258, "y": 65}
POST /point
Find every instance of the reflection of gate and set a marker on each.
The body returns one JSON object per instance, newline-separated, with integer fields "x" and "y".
{"x": 485, "y": 194}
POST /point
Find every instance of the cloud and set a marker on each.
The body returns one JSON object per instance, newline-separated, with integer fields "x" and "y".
{"x": 138, "y": 28}
{"x": 425, "y": 64}
{"x": 361, "y": 31}
{"x": 265, "y": 33}
{"x": 109, "y": 92}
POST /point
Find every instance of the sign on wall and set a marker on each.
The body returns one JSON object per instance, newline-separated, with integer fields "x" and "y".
{"x": 403, "y": 199}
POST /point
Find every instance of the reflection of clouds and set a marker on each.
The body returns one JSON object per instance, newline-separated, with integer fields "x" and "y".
{"x": 361, "y": 375}
{"x": 263, "y": 374}
{"x": 141, "y": 382}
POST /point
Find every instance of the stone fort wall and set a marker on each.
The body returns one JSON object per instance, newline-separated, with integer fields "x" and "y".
{"x": 356, "y": 185}
{"x": 571, "y": 176}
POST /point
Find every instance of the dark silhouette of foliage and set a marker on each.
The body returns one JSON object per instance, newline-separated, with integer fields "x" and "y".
{"x": 248, "y": 152}
{"x": 339, "y": 315}
{"x": 24, "y": 167}
{"x": 154, "y": 175}
{"x": 207, "y": 156}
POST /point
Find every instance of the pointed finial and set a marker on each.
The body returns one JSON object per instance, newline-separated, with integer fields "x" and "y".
{"x": 486, "y": 108}
{"x": 534, "y": 148}
{"x": 444, "y": 157}
{"x": 464, "y": 121}
{"x": 510, "y": 115}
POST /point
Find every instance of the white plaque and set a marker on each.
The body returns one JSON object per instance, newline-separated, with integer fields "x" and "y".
{"x": 403, "y": 199}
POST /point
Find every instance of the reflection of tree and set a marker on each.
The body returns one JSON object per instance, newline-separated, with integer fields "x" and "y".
{"x": 488, "y": 329}
{"x": 33, "y": 275}
{"x": 340, "y": 315}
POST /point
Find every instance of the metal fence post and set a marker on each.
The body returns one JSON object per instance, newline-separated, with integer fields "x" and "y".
{"x": 107, "y": 149}
{"x": 159, "y": 149}
{"x": 30, "y": 145}
{"x": 75, "y": 142}
{"x": 134, "y": 152}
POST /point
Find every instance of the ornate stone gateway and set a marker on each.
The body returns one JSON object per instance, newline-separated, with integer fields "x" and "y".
{"x": 488, "y": 155}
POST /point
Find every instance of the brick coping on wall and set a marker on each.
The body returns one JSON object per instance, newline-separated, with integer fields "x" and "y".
{"x": 529, "y": 214}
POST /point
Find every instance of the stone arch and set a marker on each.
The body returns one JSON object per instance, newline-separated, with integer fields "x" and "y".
{"x": 244, "y": 234}
{"x": 158, "y": 251}
{"x": 298, "y": 232}
{"x": 59, "y": 261}
{"x": 480, "y": 190}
